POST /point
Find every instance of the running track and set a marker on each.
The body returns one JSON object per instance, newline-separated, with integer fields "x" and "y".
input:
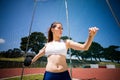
{"x": 80, "y": 73}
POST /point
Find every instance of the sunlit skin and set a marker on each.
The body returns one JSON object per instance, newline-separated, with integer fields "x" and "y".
{"x": 57, "y": 63}
{"x": 57, "y": 32}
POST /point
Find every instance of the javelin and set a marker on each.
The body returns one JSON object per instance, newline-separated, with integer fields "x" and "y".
{"x": 115, "y": 17}
{"x": 35, "y": 5}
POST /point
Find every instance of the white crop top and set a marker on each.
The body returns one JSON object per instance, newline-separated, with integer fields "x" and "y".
{"x": 56, "y": 47}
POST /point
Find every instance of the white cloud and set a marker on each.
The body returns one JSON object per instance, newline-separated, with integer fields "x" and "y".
{"x": 2, "y": 41}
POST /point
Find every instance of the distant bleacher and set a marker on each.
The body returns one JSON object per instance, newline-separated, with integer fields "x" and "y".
{"x": 107, "y": 66}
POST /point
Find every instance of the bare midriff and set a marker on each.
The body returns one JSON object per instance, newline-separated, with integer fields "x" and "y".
{"x": 56, "y": 63}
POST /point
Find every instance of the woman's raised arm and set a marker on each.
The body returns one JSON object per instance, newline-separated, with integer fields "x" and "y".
{"x": 86, "y": 45}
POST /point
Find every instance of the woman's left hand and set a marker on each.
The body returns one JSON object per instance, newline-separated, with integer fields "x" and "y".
{"x": 93, "y": 31}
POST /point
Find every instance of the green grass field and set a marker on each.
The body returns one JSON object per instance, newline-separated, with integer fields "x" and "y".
{"x": 20, "y": 59}
{"x": 28, "y": 77}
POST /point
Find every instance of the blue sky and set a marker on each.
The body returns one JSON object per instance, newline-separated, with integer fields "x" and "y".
{"x": 15, "y": 18}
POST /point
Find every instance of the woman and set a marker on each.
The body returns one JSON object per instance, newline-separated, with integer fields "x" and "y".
{"x": 56, "y": 51}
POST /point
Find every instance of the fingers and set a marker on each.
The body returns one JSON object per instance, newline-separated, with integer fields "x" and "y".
{"x": 94, "y": 29}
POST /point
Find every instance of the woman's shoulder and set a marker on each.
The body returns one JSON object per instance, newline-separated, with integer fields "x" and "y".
{"x": 48, "y": 43}
{"x": 67, "y": 41}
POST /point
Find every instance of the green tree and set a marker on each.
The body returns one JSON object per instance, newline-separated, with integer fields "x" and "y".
{"x": 2, "y": 53}
{"x": 17, "y": 52}
{"x": 65, "y": 37}
{"x": 76, "y": 53}
{"x": 81, "y": 55}
{"x": 111, "y": 53}
{"x": 12, "y": 53}
{"x": 36, "y": 41}
{"x": 95, "y": 51}
{"x": 9, "y": 53}
{"x": 117, "y": 56}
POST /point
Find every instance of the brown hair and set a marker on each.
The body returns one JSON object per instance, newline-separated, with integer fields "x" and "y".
{"x": 50, "y": 34}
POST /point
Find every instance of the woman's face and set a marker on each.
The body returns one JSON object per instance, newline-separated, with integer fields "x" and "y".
{"x": 57, "y": 31}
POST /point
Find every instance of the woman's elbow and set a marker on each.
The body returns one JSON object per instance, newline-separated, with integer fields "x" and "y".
{"x": 85, "y": 48}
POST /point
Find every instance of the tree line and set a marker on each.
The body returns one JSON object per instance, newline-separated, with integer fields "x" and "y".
{"x": 37, "y": 40}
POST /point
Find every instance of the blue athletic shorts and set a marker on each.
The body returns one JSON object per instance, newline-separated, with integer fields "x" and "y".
{"x": 56, "y": 76}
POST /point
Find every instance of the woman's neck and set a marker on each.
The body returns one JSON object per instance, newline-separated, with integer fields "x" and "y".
{"x": 56, "y": 39}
